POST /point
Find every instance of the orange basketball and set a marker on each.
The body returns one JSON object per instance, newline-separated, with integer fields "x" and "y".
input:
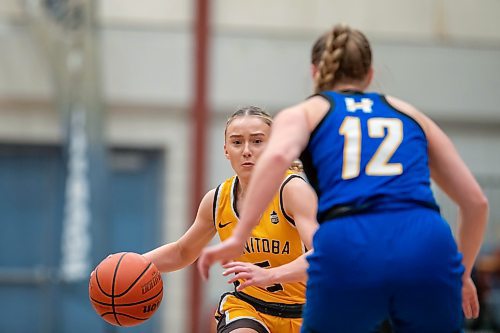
{"x": 125, "y": 289}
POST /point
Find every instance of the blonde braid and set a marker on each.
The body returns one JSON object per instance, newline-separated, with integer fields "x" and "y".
{"x": 331, "y": 57}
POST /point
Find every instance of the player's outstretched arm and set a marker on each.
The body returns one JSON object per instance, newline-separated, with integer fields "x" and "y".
{"x": 185, "y": 250}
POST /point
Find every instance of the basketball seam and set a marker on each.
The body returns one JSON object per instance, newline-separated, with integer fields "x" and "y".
{"x": 123, "y": 314}
{"x": 133, "y": 283}
{"x": 127, "y": 304}
{"x": 113, "y": 288}
{"x": 98, "y": 284}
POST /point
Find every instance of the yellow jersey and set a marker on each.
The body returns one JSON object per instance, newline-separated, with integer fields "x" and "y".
{"x": 275, "y": 241}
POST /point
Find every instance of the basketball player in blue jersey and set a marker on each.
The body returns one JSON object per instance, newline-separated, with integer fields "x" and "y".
{"x": 270, "y": 275}
{"x": 382, "y": 248}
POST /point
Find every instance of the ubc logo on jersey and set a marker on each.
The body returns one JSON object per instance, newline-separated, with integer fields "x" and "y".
{"x": 352, "y": 106}
{"x": 274, "y": 217}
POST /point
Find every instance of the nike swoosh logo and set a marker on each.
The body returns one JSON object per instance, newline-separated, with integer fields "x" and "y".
{"x": 223, "y": 225}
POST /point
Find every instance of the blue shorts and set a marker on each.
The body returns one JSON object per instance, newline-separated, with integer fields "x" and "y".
{"x": 403, "y": 265}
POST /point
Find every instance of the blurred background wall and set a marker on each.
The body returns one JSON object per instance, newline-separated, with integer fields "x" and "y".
{"x": 123, "y": 77}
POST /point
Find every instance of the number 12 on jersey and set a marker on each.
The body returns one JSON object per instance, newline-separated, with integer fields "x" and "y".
{"x": 379, "y": 163}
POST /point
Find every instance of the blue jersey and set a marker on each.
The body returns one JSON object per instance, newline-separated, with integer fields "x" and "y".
{"x": 365, "y": 151}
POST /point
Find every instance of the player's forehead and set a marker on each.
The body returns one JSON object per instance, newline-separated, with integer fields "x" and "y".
{"x": 247, "y": 126}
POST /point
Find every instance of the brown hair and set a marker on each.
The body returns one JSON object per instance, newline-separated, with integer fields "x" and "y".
{"x": 340, "y": 55}
{"x": 249, "y": 111}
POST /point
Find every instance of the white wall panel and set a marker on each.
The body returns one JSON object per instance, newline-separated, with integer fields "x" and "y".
{"x": 10, "y": 8}
{"x": 155, "y": 67}
{"x": 479, "y": 146}
{"x": 269, "y": 72}
{"x": 444, "y": 81}
{"x": 415, "y": 18}
{"x": 145, "y": 12}
{"x": 146, "y": 66}
{"x": 393, "y": 19}
{"x": 24, "y": 68}
{"x": 38, "y": 125}
{"x": 476, "y": 21}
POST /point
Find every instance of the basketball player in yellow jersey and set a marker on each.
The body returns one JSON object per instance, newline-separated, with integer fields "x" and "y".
{"x": 274, "y": 242}
{"x": 271, "y": 273}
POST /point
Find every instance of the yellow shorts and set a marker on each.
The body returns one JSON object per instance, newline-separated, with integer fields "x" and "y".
{"x": 234, "y": 312}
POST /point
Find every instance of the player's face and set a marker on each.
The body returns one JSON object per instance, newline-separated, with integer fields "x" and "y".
{"x": 246, "y": 138}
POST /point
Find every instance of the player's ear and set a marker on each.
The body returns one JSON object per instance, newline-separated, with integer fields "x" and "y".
{"x": 369, "y": 77}
{"x": 314, "y": 70}
{"x": 225, "y": 151}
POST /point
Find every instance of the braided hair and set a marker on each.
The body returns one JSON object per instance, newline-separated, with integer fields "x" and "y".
{"x": 342, "y": 55}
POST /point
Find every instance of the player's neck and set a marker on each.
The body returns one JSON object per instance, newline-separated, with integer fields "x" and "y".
{"x": 351, "y": 86}
{"x": 348, "y": 87}
{"x": 242, "y": 186}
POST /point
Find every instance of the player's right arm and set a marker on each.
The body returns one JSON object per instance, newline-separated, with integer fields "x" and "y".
{"x": 185, "y": 250}
{"x": 451, "y": 174}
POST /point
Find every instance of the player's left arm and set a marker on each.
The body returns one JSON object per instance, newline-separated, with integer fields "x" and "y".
{"x": 300, "y": 203}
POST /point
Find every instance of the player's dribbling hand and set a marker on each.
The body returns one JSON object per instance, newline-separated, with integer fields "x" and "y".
{"x": 222, "y": 252}
{"x": 470, "y": 302}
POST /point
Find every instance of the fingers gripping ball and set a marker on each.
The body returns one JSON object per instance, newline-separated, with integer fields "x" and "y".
{"x": 125, "y": 289}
